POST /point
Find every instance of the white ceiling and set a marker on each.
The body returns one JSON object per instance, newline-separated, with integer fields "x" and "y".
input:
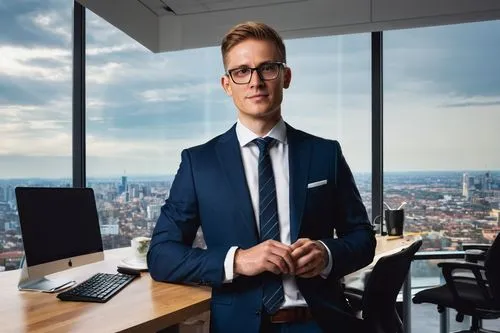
{"x": 200, "y": 23}
{"x": 188, "y": 7}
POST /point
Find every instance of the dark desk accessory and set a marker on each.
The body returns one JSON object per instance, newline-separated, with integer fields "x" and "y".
{"x": 128, "y": 270}
{"x": 394, "y": 221}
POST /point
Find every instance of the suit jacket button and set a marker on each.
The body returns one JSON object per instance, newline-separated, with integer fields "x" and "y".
{"x": 257, "y": 313}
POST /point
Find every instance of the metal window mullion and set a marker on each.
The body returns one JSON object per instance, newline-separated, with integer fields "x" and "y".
{"x": 377, "y": 128}
{"x": 78, "y": 122}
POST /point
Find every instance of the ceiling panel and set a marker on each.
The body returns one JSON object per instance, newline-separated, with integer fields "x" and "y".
{"x": 188, "y": 7}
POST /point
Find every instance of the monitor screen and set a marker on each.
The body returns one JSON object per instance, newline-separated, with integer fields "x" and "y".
{"x": 60, "y": 228}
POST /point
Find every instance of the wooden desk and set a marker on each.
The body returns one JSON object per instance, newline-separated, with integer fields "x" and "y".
{"x": 385, "y": 245}
{"x": 143, "y": 306}
{"x": 389, "y": 244}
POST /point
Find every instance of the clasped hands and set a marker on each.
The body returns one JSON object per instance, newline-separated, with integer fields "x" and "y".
{"x": 305, "y": 258}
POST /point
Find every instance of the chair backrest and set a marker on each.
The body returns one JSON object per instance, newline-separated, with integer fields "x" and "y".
{"x": 492, "y": 266}
{"x": 382, "y": 288}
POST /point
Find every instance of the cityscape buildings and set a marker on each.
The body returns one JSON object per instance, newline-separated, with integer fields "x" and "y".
{"x": 446, "y": 208}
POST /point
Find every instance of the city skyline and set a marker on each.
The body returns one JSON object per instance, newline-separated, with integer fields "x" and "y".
{"x": 163, "y": 177}
{"x": 442, "y": 96}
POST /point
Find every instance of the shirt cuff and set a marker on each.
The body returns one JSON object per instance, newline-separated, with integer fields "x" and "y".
{"x": 324, "y": 274}
{"x": 229, "y": 265}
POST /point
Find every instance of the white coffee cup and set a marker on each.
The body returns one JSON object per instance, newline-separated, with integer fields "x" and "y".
{"x": 140, "y": 247}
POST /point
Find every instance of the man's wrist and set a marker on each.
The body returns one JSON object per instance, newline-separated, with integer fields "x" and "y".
{"x": 235, "y": 271}
{"x": 324, "y": 251}
{"x": 329, "y": 261}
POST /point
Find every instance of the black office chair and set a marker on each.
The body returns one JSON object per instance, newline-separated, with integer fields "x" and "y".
{"x": 476, "y": 294}
{"x": 377, "y": 302}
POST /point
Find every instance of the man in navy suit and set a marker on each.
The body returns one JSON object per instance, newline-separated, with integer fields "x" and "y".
{"x": 269, "y": 199}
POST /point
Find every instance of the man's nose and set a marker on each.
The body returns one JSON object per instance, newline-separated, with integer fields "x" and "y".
{"x": 256, "y": 79}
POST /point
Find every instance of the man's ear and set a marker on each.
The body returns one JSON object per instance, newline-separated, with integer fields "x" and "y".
{"x": 287, "y": 77}
{"x": 224, "y": 81}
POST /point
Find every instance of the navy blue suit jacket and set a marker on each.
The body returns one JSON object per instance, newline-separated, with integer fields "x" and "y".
{"x": 210, "y": 190}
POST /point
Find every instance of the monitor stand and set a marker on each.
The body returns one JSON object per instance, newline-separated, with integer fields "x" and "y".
{"x": 41, "y": 284}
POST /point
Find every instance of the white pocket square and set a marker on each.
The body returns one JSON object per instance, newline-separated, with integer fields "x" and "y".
{"x": 316, "y": 184}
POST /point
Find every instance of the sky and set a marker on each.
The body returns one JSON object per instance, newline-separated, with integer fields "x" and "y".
{"x": 441, "y": 96}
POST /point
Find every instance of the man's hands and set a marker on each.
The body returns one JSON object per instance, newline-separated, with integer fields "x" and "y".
{"x": 305, "y": 258}
{"x": 310, "y": 257}
{"x": 270, "y": 255}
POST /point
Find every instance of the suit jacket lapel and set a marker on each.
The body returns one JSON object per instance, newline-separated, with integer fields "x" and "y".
{"x": 229, "y": 155}
{"x": 298, "y": 158}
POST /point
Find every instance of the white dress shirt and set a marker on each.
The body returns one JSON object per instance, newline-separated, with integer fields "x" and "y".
{"x": 278, "y": 153}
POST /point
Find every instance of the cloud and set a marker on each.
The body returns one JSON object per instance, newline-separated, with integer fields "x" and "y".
{"x": 123, "y": 48}
{"x": 53, "y": 143}
{"x": 105, "y": 73}
{"x": 53, "y": 22}
{"x": 473, "y": 101}
{"x": 421, "y": 134}
{"x": 96, "y": 103}
{"x": 20, "y": 61}
{"x": 460, "y": 59}
{"x": 36, "y": 130}
{"x": 178, "y": 93}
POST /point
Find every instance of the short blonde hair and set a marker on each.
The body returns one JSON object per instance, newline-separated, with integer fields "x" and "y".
{"x": 251, "y": 30}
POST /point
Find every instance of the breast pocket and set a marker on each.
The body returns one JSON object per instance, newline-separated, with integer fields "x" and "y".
{"x": 318, "y": 193}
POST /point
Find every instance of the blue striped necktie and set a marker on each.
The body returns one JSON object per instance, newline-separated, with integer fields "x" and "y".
{"x": 273, "y": 296}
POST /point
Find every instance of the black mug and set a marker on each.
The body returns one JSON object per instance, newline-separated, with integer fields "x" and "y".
{"x": 394, "y": 220}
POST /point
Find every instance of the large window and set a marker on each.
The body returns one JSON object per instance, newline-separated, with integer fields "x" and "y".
{"x": 35, "y": 108}
{"x": 144, "y": 108}
{"x": 441, "y": 115}
{"x": 442, "y": 109}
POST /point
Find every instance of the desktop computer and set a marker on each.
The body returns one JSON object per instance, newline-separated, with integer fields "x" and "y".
{"x": 60, "y": 230}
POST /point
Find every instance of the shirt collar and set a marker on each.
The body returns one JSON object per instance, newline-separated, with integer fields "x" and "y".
{"x": 245, "y": 135}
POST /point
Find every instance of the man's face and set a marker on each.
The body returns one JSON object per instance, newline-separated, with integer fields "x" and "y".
{"x": 258, "y": 99}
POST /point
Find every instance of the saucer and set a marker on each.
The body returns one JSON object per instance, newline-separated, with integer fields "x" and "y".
{"x": 134, "y": 263}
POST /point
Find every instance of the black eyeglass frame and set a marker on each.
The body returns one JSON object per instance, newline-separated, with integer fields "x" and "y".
{"x": 281, "y": 65}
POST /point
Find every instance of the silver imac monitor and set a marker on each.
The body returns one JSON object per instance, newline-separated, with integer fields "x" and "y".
{"x": 60, "y": 230}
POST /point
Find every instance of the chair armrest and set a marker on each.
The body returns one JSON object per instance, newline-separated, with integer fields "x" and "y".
{"x": 475, "y": 255}
{"x": 475, "y": 246}
{"x": 451, "y": 280}
{"x": 461, "y": 265}
{"x": 354, "y": 297}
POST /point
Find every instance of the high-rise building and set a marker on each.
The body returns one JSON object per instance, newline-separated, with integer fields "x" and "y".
{"x": 465, "y": 186}
{"x": 486, "y": 182}
{"x": 3, "y": 194}
{"x": 10, "y": 193}
{"x": 124, "y": 185}
{"x": 153, "y": 211}
{"x": 472, "y": 182}
{"x": 110, "y": 229}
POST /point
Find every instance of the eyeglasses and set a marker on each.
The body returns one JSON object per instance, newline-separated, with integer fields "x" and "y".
{"x": 267, "y": 71}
